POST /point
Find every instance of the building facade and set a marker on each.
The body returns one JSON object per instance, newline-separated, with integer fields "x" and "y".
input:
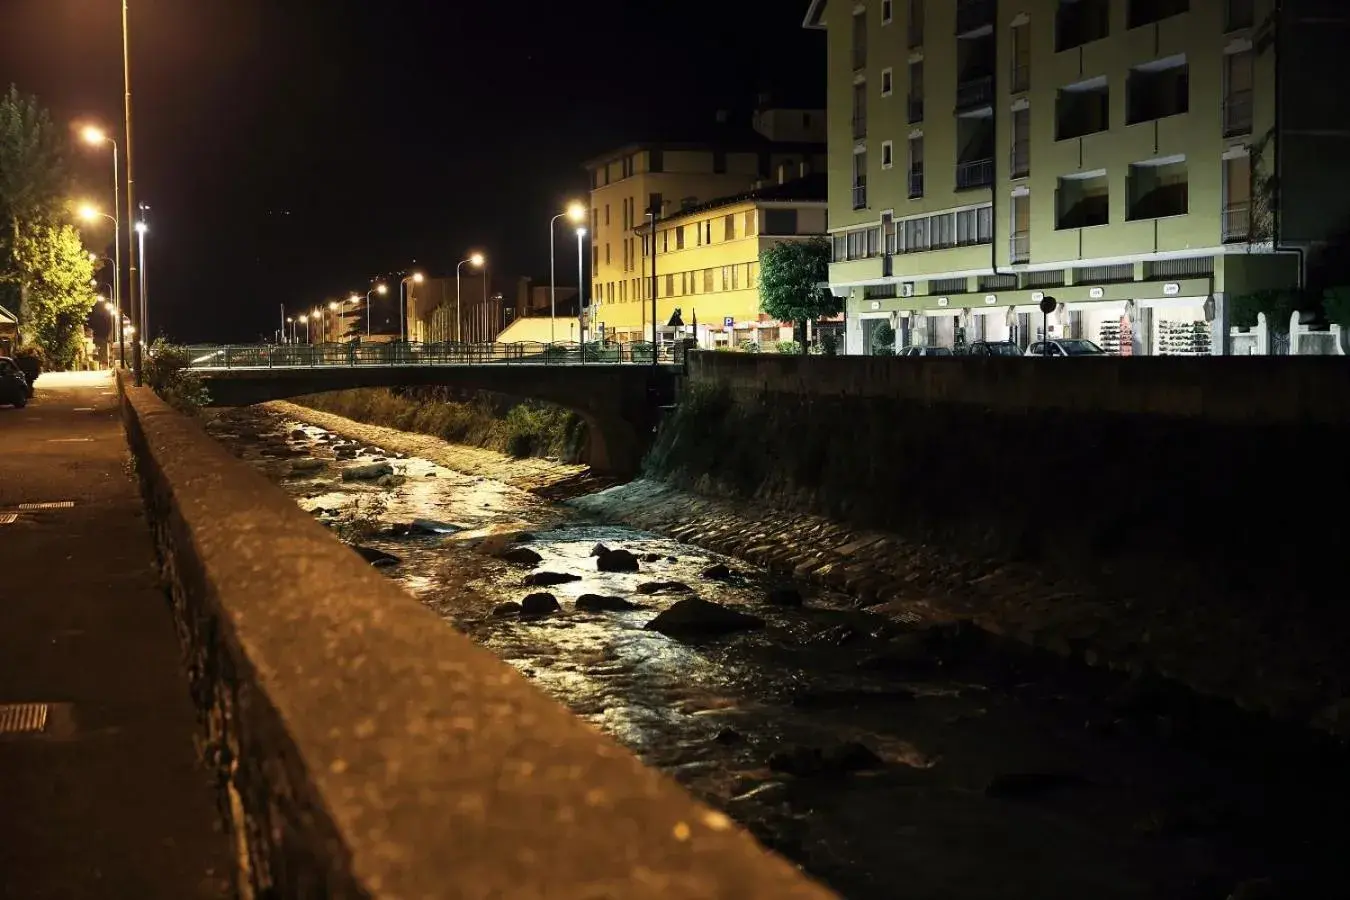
{"x": 782, "y": 145}
{"x": 1121, "y": 157}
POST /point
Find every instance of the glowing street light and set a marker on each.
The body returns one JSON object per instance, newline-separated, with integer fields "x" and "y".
{"x": 97, "y": 137}
{"x": 380, "y": 289}
{"x": 304, "y": 317}
{"x": 476, "y": 260}
{"x": 415, "y": 278}
{"x": 577, "y": 213}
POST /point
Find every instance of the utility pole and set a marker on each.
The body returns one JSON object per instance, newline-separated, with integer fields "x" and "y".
{"x": 654, "y": 214}
{"x": 132, "y": 286}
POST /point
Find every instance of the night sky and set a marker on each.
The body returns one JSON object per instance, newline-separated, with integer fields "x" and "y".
{"x": 293, "y": 150}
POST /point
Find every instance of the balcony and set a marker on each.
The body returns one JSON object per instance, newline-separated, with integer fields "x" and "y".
{"x": 915, "y": 107}
{"x": 1237, "y": 222}
{"x": 859, "y": 127}
{"x": 974, "y": 93}
{"x": 976, "y": 173}
{"x": 915, "y": 183}
{"x": 1237, "y": 113}
{"x": 974, "y": 16}
{"x": 1020, "y": 165}
{"x": 860, "y": 192}
{"x": 1019, "y": 247}
{"x": 1021, "y": 79}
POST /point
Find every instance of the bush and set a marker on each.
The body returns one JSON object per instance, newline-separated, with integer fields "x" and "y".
{"x": 167, "y": 370}
{"x": 829, "y": 343}
{"x": 748, "y": 346}
{"x": 361, "y": 520}
{"x": 788, "y": 347}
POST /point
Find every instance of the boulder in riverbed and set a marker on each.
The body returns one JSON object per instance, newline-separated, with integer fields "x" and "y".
{"x": 597, "y": 603}
{"x": 784, "y": 595}
{"x": 599, "y": 550}
{"x": 502, "y": 610}
{"x": 377, "y": 558}
{"x": 716, "y": 572}
{"x": 540, "y": 604}
{"x": 367, "y": 471}
{"x": 431, "y": 526}
{"x": 520, "y": 556}
{"x": 617, "y": 561}
{"x": 301, "y": 466}
{"x": 664, "y": 587}
{"x": 693, "y": 616}
{"x": 299, "y": 434}
{"x": 548, "y": 579}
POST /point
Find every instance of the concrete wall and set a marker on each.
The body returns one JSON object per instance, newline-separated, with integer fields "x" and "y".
{"x": 368, "y": 749}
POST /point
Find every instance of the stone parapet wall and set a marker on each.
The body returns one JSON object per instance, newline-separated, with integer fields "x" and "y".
{"x": 365, "y": 748}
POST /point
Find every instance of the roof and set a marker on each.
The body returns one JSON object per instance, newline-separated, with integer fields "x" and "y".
{"x": 809, "y": 189}
{"x": 815, "y": 15}
{"x": 537, "y": 329}
{"x": 8, "y": 317}
{"x": 712, "y": 136}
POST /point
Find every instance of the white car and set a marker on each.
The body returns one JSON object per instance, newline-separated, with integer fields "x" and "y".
{"x": 1065, "y": 347}
{"x": 926, "y": 351}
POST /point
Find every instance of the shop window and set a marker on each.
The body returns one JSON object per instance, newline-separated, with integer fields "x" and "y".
{"x": 1082, "y": 109}
{"x": 1082, "y": 201}
{"x": 1157, "y": 90}
{"x": 1157, "y": 189}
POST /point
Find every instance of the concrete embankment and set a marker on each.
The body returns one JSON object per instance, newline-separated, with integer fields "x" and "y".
{"x": 1170, "y": 516}
{"x": 369, "y": 750}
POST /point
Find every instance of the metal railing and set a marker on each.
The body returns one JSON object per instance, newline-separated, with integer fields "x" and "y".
{"x": 975, "y": 92}
{"x": 914, "y": 106}
{"x": 860, "y": 193}
{"x": 915, "y": 183}
{"x": 1019, "y": 249}
{"x": 1237, "y": 113}
{"x": 975, "y": 173}
{"x": 1237, "y": 222}
{"x": 1020, "y": 164}
{"x": 295, "y": 356}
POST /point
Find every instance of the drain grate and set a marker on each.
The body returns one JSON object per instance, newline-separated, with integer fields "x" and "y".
{"x": 58, "y": 504}
{"x": 23, "y": 718}
{"x": 8, "y": 518}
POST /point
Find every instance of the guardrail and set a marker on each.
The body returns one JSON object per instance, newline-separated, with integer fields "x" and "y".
{"x": 295, "y": 356}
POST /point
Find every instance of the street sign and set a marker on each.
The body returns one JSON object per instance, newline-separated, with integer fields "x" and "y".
{"x": 729, "y": 323}
{"x": 1048, "y": 305}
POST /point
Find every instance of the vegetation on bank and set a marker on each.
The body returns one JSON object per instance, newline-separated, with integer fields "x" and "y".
{"x": 480, "y": 420}
{"x": 167, "y": 371}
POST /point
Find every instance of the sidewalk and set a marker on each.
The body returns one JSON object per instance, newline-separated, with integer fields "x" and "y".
{"x": 109, "y": 799}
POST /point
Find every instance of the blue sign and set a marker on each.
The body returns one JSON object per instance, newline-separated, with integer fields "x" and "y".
{"x": 728, "y": 322}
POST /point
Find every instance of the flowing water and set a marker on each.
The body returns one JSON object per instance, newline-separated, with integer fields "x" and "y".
{"x": 889, "y": 759}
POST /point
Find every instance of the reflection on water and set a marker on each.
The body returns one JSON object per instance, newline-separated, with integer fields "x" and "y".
{"x": 712, "y": 713}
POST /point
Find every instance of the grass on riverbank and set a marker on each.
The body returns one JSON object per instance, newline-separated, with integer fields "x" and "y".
{"x": 483, "y": 420}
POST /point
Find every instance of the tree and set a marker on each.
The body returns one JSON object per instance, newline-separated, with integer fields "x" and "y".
{"x": 792, "y": 276}
{"x": 55, "y": 272}
{"x": 33, "y": 178}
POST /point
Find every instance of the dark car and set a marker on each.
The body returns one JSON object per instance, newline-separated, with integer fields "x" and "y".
{"x": 994, "y": 348}
{"x": 14, "y": 388}
{"x": 926, "y": 351}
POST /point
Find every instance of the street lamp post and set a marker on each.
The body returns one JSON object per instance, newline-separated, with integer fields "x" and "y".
{"x": 577, "y": 213}
{"x": 581, "y": 293}
{"x": 477, "y": 261}
{"x": 304, "y": 317}
{"x": 416, "y": 278}
{"x": 131, "y": 184}
{"x": 290, "y": 320}
{"x": 141, "y": 229}
{"x": 653, "y": 214}
{"x": 336, "y": 309}
{"x": 377, "y": 289}
{"x": 96, "y": 136}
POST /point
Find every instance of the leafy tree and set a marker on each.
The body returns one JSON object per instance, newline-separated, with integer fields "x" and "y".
{"x": 54, "y": 270}
{"x": 33, "y": 178}
{"x": 791, "y": 279}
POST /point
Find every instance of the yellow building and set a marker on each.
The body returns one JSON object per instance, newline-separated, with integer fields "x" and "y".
{"x": 1114, "y": 155}
{"x": 707, "y": 266}
{"x": 783, "y": 145}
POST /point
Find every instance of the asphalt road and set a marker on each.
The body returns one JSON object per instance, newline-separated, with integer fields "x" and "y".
{"x": 110, "y": 799}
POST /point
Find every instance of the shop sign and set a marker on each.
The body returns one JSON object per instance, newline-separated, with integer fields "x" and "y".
{"x": 1096, "y": 293}
{"x": 990, "y": 299}
{"x": 1037, "y": 296}
{"x": 1171, "y": 289}
{"x": 943, "y": 301}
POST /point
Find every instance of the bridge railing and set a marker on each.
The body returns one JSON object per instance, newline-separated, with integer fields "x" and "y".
{"x": 448, "y": 353}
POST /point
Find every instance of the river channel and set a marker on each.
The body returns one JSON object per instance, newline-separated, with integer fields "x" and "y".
{"x": 889, "y": 759}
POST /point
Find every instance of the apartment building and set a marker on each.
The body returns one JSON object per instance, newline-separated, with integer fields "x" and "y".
{"x": 1118, "y": 156}
{"x": 707, "y": 267}
{"x": 781, "y": 145}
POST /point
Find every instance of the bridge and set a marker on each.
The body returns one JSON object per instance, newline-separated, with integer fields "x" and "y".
{"x": 618, "y": 390}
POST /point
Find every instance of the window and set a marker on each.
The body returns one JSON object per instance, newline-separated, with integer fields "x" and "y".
{"x": 915, "y": 23}
{"x": 859, "y": 40}
{"x": 1078, "y": 22}
{"x": 916, "y": 167}
{"x": 654, "y": 203}
{"x": 1146, "y": 12}
{"x": 915, "y": 100}
{"x": 1237, "y": 14}
{"x": 887, "y": 81}
{"x": 1157, "y": 189}
{"x": 698, "y": 234}
{"x": 1157, "y": 90}
{"x": 1237, "y": 198}
{"x": 887, "y": 11}
{"x": 1237, "y": 93}
{"x": 1021, "y": 58}
{"x": 679, "y": 237}
{"x": 780, "y": 221}
{"x": 656, "y": 161}
{"x": 751, "y": 226}
{"x": 859, "y": 111}
{"x": 735, "y": 277}
{"x": 975, "y": 153}
{"x": 887, "y": 150}
{"x": 1021, "y": 143}
{"x": 606, "y": 215}
{"x": 974, "y": 226}
{"x": 859, "y": 180}
{"x": 595, "y": 255}
{"x": 1019, "y": 250}
{"x": 728, "y": 228}
{"x": 707, "y": 231}
{"x": 1082, "y": 108}
{"x": 606, "y": 254}
{"x": 668, "y": 290}
{"x": 1082, "y": 201}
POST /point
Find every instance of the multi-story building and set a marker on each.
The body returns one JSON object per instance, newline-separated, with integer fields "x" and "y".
{"x": 1138, "y": 161}
{"x": 672, "y": 176}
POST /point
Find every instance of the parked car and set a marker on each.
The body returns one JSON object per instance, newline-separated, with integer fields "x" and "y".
{"x": 994, "y": 348}
{"x": 926, "y": 351}
{"x": 13, "y": 385}
{"x": 1066, "y": 347}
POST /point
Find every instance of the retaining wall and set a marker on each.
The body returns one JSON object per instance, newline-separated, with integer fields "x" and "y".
{"x": 368, "y": 749}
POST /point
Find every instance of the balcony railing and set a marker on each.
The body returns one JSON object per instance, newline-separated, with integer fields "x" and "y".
{"x": 915, "y": 108}
{"x": 974, "y": 174}
{"x": 859, "y": 127}
{"x": 1237, "y": 113}
{"x": 975, "y": 92}
{"x": 972, "y": 15}
{"x": 1021, "y": 79}
{"x": 915, "y": 183}
{"x": 1019, "y": 247}
{"x": 1237, "y": 222}
{"x": 1021, "y": 159}
{"x": 860, "y": 193}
